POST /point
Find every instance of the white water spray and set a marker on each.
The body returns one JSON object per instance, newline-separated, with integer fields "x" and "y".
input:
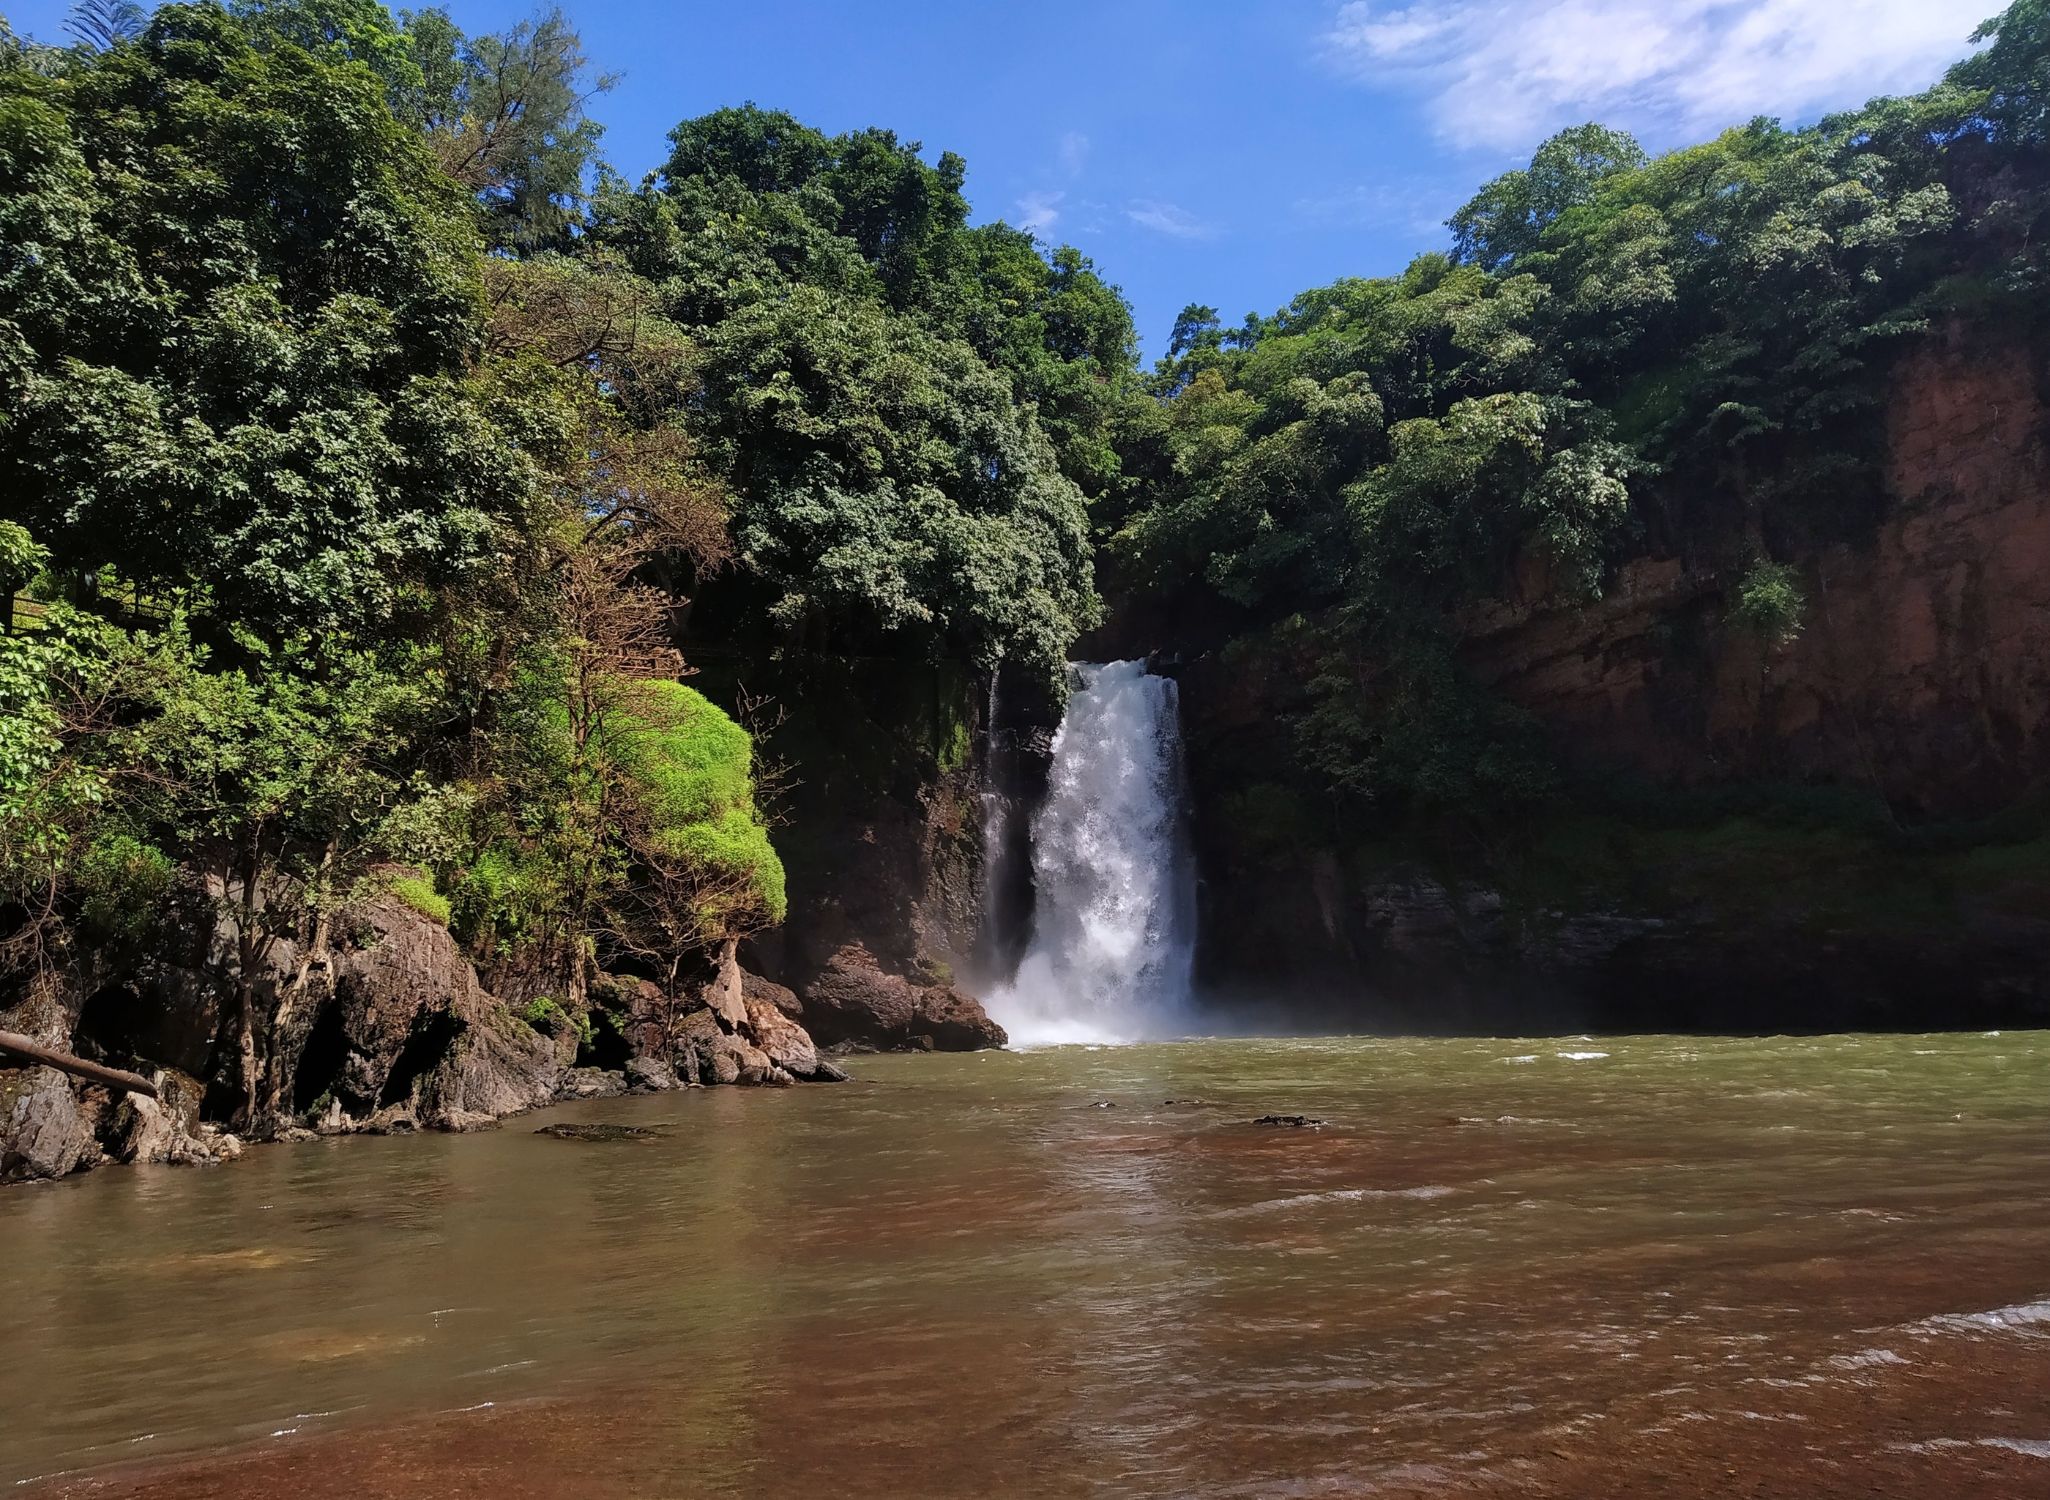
{"x": 1113, "y": 939}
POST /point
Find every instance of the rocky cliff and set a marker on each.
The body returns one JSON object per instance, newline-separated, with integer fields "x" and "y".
{"x": 1843, "y": 829}
{"x": 1922, "y": 669}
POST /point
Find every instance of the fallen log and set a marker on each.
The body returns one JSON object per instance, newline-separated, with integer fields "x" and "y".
{"x": 77, "y": 1067}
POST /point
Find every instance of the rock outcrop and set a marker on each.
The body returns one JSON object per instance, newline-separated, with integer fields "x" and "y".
{"x": 855, "y": 1002}
{"x": 385, "y": 1028}
{"x": 1917, "y": 691}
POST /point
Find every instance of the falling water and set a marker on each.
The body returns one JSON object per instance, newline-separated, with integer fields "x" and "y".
{"x": 1114, "y": 918}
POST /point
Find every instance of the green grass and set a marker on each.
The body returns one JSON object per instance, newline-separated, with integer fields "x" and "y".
{"x": 421, "y": 895}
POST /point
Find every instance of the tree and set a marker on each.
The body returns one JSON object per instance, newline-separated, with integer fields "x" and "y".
{"x": 505, "y": 115}
{"x": 1509, "y": 216}
{"x": 274, "y": 777}
{"x": 704, "y": 872}
{"x": 2012, "y": 76}
{"x": 240, "y": 369}
{"x": 104, "y": 24}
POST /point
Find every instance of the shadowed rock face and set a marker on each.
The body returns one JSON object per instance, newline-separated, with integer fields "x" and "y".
{"x": 1923, "y": 663}
{"x": 388, "y": 1030}
{"x": 1919, "y": 683}
{"x": 855, "y": 1002}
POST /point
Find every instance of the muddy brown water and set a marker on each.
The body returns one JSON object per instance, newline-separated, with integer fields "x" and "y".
{"x": 1625, "y": 1266}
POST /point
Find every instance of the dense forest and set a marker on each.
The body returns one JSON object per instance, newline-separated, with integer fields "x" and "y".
{"x": 373, "y": 458}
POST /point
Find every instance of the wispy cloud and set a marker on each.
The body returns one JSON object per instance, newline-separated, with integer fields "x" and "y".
{"x": 1502, "y": 74}
{"x": 1074, "y": 153}
{"x": 1038, "y": 212}
{"x": 1167, "y": 218}
{"x": 1412, "y": 207}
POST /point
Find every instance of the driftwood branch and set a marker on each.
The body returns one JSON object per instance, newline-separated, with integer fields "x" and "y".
{"x": 78, "y": 1067}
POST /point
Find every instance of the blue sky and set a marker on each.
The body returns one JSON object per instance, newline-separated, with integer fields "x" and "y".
{"x": 1227, "y": 151}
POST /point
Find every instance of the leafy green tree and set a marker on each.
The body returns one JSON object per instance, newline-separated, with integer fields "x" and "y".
{"x": 239, "y": 368}
{"x": 105, "y": 24}
{"x": 1508, "y": 218}
{"x": 275, "y": 778}
{"x": 505, "y": 113}
{"x": 2012, "y": 76}
{"x": 703, "y": 871}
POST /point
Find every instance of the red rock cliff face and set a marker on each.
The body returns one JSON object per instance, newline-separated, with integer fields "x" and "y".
{"x": 1923, "y": 668}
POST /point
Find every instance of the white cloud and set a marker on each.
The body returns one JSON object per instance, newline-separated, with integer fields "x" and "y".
{"x": 1503, "y": 74}
{"x": 1167, "y": 218}
{"x": 1038, "y": 212}
{"x": 1074, "y": 152}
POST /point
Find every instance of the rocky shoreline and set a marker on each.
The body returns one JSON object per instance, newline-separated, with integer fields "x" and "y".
{"x": 391, "y": 1030}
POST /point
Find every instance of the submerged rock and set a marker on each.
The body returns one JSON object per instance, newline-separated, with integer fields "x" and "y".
{"x": 597, "y": 1132}
{"x": 1292, "y": 1122}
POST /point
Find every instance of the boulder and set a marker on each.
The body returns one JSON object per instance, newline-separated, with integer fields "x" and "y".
{"x": 781, "y": 1040}
{"x": 402, "y": 993}
{"x": 719, "y": 1057}
{"x": 855, "y": 1002}
{"x": 496, "y": 1065}
{"x": 591, "y": 1083}
{"x": 726, "y": 995}
{"x": 650, "y": 1075}
{"x": 640, "y": 1010}
{"x": 166, "y": 1129}
{"x": 756, "y": 990}
{"x": 956, "y": 1022}
{"x": 45, "y": 1129}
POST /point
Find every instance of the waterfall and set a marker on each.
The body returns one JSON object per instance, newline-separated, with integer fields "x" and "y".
{"x": 1113, "y": 935}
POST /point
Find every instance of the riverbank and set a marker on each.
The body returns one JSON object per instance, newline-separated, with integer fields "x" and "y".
{"x": 389, "y": 1029}
{"x": 1619, "y": 1266}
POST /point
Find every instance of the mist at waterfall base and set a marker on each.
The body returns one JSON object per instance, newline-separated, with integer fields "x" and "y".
{"x": 1112, "y": 951}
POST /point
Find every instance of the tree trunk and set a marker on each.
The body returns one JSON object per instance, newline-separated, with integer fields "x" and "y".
{"x": 245, "y": 1046}
{"x": 77, "y": 1067}
{"x": 726, "y": 994}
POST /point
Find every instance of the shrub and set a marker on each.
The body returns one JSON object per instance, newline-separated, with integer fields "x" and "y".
{"x": 1770, "y": 602}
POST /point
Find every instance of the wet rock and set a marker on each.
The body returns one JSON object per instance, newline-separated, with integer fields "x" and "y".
{"x": 722, "y": 1058}
{"x": 829, "y": 1071}
{"x": 1292, "y": 1122}
{"x": 44, "y": 1130}
{"x": 402, "y": 992}
{"x": 956, "y": 1022}
{"x": 221, "y": 1145}
{"x": 855, "y": 1000}
{"x": 640, "y": 1009}
{"x": 591, "y": 1083}
{"x": 597, "y": 1132}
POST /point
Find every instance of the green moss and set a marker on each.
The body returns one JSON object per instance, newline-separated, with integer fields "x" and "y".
{"x": 693, "y": 766}
{"x": 421, "y": 896}
{"x": 957, "y": 746}
{"x": 545, "y": 1014}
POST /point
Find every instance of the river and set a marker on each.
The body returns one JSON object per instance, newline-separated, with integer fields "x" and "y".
{"x": 1618, "y": 1266}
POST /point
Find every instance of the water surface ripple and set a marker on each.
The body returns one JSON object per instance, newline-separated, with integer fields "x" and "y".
{"x": 1629, "y": 1266}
